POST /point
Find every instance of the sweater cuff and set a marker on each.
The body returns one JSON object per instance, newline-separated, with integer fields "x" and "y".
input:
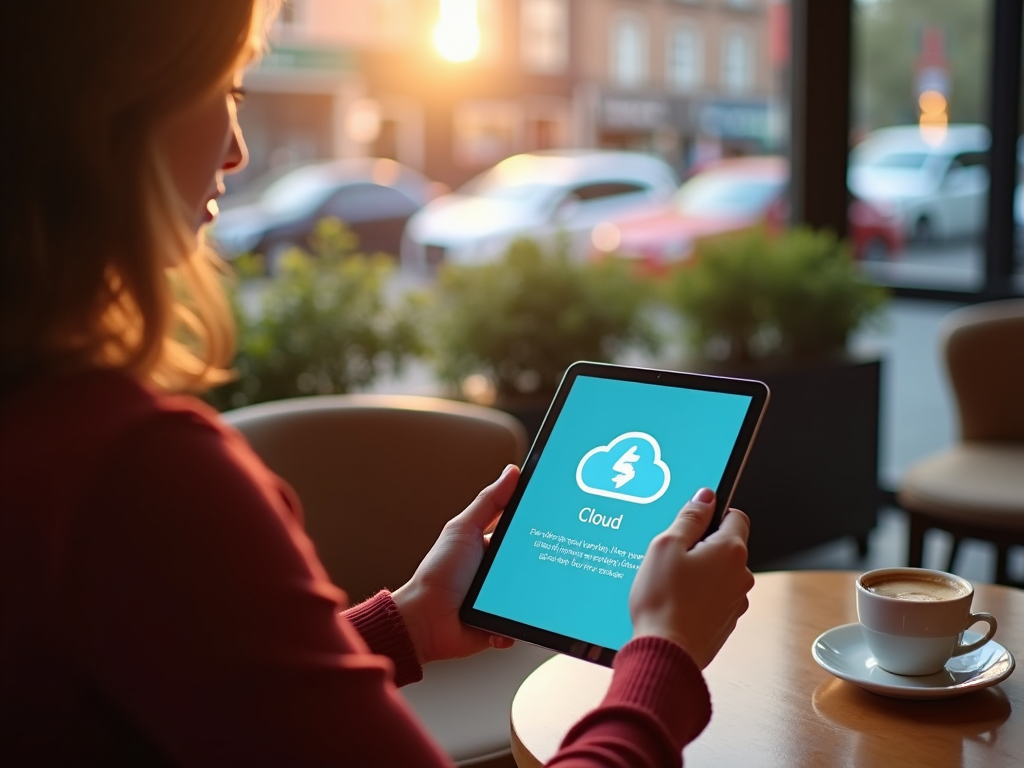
{"x": 659, "y": 676}
{"x": 381, "y": 625}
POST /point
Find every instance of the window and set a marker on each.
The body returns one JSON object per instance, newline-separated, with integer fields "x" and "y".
{"x": 368, "y": 202}
{"x": 544, "y": 36}
{"x": 629, "y": 51}
{"x": 601, "y": 189}
{"x": 915, "y": 61}
{"x": 737, "y": 62}
{"x": 685, "y": 58}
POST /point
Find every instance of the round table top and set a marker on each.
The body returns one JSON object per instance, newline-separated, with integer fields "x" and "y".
{"x": 774, "y": 706}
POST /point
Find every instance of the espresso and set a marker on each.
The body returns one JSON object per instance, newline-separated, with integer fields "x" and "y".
{"x": 917, "y": 588}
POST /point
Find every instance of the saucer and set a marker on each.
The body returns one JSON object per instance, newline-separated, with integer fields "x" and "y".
{"x": 843, "y": 652}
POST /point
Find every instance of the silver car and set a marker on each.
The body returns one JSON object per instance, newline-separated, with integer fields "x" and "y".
{"x": 540, "y": 194}
{"x": 936, "y": 180}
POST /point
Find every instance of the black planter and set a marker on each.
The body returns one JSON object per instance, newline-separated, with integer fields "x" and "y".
{"x": 812, "y": 474}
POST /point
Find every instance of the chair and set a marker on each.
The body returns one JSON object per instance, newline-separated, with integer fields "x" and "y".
{"x": 378, "y": 476}
{"x": 975, "y": 489}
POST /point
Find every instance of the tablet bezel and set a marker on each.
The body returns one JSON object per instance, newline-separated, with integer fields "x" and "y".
{"x": 759, "y": 396}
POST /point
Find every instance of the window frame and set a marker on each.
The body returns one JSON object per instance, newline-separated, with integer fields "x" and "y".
{"x": 821, "y": 75}
{"x": 696, "y": 32}
{"x": 639, "y": 23}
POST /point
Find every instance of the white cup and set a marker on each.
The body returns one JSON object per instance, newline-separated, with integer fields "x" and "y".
{"x": 913, "y": 619}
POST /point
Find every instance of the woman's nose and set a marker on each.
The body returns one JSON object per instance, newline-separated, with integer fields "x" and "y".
{"x": 237, "y": 156}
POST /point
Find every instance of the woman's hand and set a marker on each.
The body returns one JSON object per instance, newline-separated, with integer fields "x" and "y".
{"x": 430, "y": 601}
{"x": 694, "y": 591}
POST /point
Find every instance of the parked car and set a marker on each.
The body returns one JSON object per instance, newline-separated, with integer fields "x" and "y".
{"x": 539, "y": 193}
{"x": 877, "y": 231}
{"x": 937, "y": 181}
{"x": 725, "y": 196}
{"x": 374, "y": 197}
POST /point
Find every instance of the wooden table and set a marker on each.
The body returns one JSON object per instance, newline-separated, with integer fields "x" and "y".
{"x": 774, "y": 706}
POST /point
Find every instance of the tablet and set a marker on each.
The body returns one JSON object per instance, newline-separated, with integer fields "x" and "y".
{"x": 619, "y": 453}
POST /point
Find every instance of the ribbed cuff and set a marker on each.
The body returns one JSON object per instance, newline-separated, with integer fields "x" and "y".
{"x": 383, "y": 628}
{"x": 658, "y": 675}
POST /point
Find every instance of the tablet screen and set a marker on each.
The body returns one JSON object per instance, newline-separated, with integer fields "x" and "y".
{"x": 616, "y": 465}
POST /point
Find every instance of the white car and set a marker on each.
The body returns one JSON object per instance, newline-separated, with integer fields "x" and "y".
{"x": 540, "y": 194}
{"x": 936, "y": 181}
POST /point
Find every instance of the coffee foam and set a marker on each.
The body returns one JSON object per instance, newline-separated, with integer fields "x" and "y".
{"x": 916, "y": 588}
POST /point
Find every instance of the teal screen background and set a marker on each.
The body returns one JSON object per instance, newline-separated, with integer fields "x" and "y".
{"x": 557, "y": 572}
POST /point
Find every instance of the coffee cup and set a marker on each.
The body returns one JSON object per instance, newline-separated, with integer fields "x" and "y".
{"x": 913, "y": 619}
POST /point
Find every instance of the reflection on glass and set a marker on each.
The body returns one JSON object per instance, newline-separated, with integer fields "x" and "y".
{"x": 918, "y": 141}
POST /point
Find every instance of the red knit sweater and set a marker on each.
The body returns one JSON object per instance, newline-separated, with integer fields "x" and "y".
{"x": 162, "y": 605}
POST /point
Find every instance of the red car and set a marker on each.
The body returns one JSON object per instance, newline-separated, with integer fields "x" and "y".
{"x": 727, "y": 196}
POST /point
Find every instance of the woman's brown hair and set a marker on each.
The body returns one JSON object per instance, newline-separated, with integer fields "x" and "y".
{"x": 98, "y": 267}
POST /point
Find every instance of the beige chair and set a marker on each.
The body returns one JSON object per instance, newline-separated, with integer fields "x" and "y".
{"x": 378, "y": 476}
{"x": 975, "y": 489}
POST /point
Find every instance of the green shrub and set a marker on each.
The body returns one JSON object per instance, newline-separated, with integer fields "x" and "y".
{"x": 324, "y": 325}
{"x": 751, "y": 295}
{"x": 521, "y": 321}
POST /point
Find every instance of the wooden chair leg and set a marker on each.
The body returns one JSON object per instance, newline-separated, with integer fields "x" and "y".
{"x": 915, "y": 548}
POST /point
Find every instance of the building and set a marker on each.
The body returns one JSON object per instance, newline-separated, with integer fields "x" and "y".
{"x": 688, "y": 79}
{"x": 692, "y": 80}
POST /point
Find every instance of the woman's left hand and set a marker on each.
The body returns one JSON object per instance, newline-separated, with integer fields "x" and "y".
{"x": 429, "y": 602}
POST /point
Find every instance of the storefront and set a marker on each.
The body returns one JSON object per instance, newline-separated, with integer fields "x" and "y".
{"x": 686, "y": 131}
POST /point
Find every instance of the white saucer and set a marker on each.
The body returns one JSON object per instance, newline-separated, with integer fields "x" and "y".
{"x": 842, "y": 651}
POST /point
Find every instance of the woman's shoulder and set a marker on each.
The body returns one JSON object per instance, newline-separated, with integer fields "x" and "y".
{"x": 93, "y": 402}
{"x": 75, "y": 422}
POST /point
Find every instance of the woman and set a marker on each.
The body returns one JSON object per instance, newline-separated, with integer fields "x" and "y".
{"x": 161, "y": 604}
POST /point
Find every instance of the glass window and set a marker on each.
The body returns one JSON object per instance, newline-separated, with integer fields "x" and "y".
{"x": 629, "y": 51}
{"x": 544, "y": 35}
{"x": 606, "y": 189}
{"x": 368, "y": 202}
{"x": 918, "y": 174}
{"x": 737, "y": 61}
{"x": 685, "y": 58}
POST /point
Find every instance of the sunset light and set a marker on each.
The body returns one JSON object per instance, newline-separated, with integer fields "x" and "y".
{"x": 457, "y": 34}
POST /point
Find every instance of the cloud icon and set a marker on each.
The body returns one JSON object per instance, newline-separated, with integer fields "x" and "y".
{"x": 628, "y": 468}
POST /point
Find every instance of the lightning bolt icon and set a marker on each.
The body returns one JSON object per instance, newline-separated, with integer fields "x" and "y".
{"x": 624, "y": 466}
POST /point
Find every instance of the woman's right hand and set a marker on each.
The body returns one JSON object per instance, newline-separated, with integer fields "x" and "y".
{"x": 692, "y": 591}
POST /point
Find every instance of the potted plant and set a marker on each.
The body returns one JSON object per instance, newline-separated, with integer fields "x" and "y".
{"x": 503, "y": 333}
{"x": 781, "y": 308}
{"x": 324, "y": 325}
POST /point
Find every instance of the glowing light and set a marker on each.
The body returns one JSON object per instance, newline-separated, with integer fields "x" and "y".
{"x": 457, "y": 34}
{"x": 385, "y": 171}
{"x": 931, "y": 103}
{"x": 934, "y": 118}
{"x": 606, "y": 237}
{"x": 362, "y": 121}
{"x": 479, "y": 389}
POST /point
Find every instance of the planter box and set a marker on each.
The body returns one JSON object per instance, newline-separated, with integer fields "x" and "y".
{"x": 812, "y": 475}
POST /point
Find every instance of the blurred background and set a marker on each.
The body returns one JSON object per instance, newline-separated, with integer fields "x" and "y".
{"x": 448, "y": 88}
{"x": 439, "y": 131}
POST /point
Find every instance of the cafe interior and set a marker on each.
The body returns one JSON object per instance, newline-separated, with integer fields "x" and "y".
{"x": 911, "y": 456}
{"x": 924, "y": 468}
